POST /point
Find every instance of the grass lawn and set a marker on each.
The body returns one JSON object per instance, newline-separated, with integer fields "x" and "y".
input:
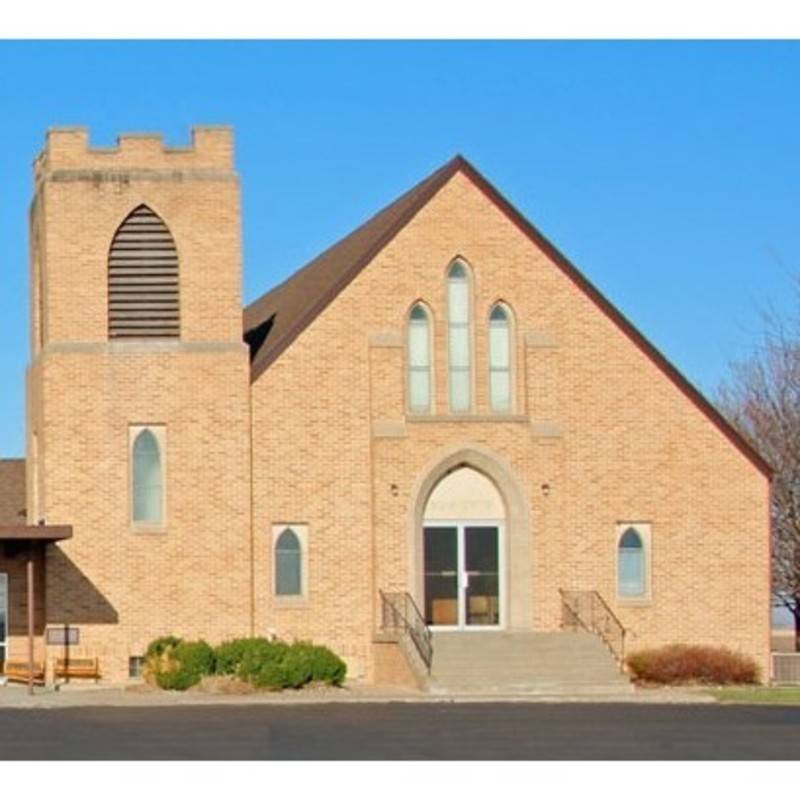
{"x": 760, "y": 695}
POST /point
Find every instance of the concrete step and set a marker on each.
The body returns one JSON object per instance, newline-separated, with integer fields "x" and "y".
{"x": 532, "y": 677}
{"x": 555, "y": 680}
{"x": 530, "y": 690}
{"x": 508, "y": 663}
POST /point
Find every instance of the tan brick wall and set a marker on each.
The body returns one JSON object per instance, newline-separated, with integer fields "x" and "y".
{"x": 595, "y": 419}
{"x": 121, "y": 586}
{"x": 391, "y": 666}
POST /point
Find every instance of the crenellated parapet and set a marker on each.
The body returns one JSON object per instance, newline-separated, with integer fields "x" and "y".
{"x": 69, "y": 149}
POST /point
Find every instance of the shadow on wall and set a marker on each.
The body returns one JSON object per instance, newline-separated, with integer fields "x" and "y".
{"x": 13, "y": 563}
{"x": 72, "y": 598}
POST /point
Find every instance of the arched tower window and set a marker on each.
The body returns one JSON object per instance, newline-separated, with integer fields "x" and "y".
{"x": 288, "y": 564}
{"x": 459, "y": 337}
{"x": 148, "y": 486}
{"x": 419, "y": 360}
{"x": 500, "y": 383}
{"x": 631, "y": 571}
{"x": 143, "y": 298}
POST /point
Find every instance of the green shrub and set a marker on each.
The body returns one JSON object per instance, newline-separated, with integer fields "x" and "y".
{"x": 257, "y": 653}
{"x": 243, "y": 657}
{"x": 298, "y": 666}
{"x": 328, "y": 667}
{"x": 275, "y": 664}
{"x": 267, "y": 664}
{"x": 178, "y": 665}
{"x": 159, "y": 646}
{"x": 324, "y": 664}
{"x": 270, "y": 675}
{"x": 229, "y": 655}
{"x": 196, "y": 656}
{"x": 680, "y": 664}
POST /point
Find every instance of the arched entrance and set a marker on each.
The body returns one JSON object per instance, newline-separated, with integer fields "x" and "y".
{"x": 463, "y": 552}
{"x": 493, "y": 494}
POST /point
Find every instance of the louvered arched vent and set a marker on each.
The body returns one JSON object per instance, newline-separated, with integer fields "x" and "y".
{"x": 143, "y": 279}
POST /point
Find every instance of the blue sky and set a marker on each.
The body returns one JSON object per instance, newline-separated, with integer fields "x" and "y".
{"x": 668, "y": 171}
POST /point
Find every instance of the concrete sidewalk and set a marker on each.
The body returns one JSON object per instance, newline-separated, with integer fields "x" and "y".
{"x": 71, "y": 696}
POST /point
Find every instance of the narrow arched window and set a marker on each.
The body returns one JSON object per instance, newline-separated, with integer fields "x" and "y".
{"x": 419, "y": 360}
{"x": 143, "y": 299}
{"x": 148, "y": 488}
{"x": 500, "y": 358}
{"x": 459, "y": 339}
{"x": 288, "y": 564}
{"x": 631, "y": 572}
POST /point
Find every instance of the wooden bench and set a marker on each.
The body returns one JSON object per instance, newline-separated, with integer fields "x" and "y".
{"x": 18, "y": 671}
{"x": 77, "y": 668}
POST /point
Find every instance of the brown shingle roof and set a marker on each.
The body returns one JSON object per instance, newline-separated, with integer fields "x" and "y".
{"x": 275, "y": 320}
{"x": 12, "y": 491}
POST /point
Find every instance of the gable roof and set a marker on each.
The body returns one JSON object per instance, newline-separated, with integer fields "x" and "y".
{"x": 276, "y": 319}
{"x": 12, "y": 491}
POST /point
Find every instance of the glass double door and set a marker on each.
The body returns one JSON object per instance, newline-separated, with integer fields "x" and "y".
{"x": 462, "y": 574}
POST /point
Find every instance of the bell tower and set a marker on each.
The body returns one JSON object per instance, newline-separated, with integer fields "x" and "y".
{"x": 136, "y": 333}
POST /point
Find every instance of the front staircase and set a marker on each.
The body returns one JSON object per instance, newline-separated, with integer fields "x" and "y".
{"x": 520, "y": 663}
{"x": 583, "y": 658}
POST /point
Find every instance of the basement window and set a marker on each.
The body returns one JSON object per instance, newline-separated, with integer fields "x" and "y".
{"x": 136, "y": 667}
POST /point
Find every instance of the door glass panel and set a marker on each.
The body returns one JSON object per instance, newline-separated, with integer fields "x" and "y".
{"x": 3, "y": 615}
{"x": 482, "y": 566}
{"x": 441, "y": 576}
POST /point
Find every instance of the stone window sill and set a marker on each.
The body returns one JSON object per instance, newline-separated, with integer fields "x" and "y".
{"x": 457, "y": 418}
{"x": 634, "y": 602}
{"x": 289, "y": 601}
{"x": 145, "y": 529}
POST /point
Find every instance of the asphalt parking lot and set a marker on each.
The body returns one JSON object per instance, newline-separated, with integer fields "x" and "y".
{"x": 404, "y": 731}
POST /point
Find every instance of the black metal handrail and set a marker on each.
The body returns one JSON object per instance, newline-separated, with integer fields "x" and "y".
{"x": 400, "y": 615}
{"x": 588, "y": 610}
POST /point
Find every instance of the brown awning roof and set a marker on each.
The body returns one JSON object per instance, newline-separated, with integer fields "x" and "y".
{"x": 35, "y": 533}
{"x": 276, "y": 319}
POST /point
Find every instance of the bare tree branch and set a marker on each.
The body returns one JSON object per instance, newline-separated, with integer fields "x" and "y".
{"x": 761, "y": 399}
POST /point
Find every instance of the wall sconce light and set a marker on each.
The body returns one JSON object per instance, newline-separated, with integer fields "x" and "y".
{"x": 394, "y": 489}
{"x": 546, "y": 489}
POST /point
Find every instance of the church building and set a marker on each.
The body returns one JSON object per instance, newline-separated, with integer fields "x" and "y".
{"x": 435, "y": 433}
